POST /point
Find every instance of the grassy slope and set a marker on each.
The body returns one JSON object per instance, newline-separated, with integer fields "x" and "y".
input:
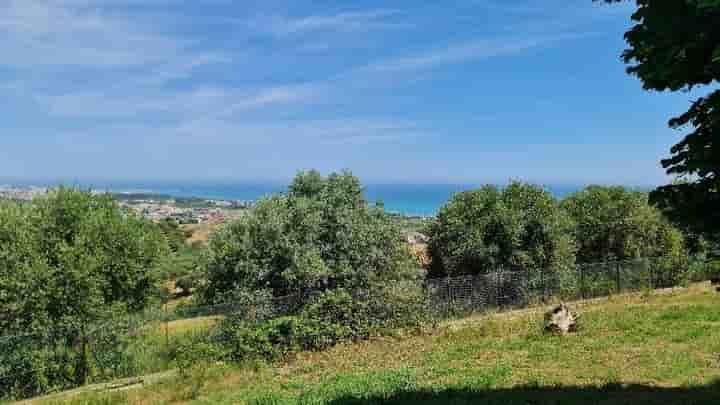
{"x": 652, "y": 349}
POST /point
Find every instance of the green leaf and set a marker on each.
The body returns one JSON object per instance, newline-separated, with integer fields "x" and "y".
{"x": 716, "y": 55}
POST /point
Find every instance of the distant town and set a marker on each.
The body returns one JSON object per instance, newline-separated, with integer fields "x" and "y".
{"x": 156, "y": 207}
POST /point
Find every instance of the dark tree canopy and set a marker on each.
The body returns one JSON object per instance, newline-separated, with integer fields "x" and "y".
{"x": 675, "y": 45}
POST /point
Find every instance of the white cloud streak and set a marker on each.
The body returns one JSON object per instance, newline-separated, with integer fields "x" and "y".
{"x": 202, "y": 101}
{"x": 321, "y": 132}
{"x": 462, "y": 52}
{"x": 340, "y": 22}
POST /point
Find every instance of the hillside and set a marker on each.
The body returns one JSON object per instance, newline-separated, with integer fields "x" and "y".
{"x": 652, "y": 348}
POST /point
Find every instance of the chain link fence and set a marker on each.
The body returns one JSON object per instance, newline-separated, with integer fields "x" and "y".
{"x": 503, "y": 289}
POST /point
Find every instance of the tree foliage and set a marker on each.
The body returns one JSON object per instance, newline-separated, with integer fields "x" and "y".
{"x": 175, "y": 236}
{"x": 66, "y": 258}
{"x": 613, "y": 223}
{"x": 322, "y": 234}
{"x": 517, "y": 228}
{"x": 675, "y": 45}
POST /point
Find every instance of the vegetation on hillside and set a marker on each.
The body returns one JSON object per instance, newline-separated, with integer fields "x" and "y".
{"x": 305, "y": 271}
{"x": 333, "y": 267}
{"x": 650, "y": 349}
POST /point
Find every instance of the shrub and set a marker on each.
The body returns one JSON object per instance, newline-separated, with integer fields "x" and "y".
{"x": 518, "y": 228}
{"x": 330, "y": 318}
{"x": 194, "y": 359}
{"x": 172, "y": 232}
{"x": 333, "y": 317}
{"x": 188, "y": 283}
{"x": 268, "y": 340}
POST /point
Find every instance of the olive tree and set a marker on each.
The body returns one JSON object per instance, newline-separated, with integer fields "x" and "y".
{"x": 321, "y": 235}
{"x": 614, "y": 223}
{"x": 519, "y": 227}
{"x": 71, "y": 254}
{"x": 67, "y": 260}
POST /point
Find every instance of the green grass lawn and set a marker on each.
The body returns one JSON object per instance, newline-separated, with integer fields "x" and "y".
{"x": 633, "y": 349}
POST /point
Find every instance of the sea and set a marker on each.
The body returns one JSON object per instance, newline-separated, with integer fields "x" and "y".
{"x": 407, "y": 199}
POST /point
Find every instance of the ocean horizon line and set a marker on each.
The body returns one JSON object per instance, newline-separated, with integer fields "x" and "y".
{"x": 412, "y": 199}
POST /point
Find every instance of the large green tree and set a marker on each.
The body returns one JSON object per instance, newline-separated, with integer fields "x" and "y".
{"x": 614, "y": 223}
{"x": 69, "y": 261}
{"x": 67, "y": 257}
{"x": 321, "y": 235}
{"x": 518, "y": 228}
{"x": 675, "y": 46}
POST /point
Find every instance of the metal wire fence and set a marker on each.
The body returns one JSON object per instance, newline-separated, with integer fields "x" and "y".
{"x": 502, "y": 289}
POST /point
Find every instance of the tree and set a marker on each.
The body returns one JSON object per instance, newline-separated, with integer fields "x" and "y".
{"x": 517, "y": 228}
{"x": 674, "y": 46}
{"x": 175, "y": 236}
{"x": 68, "y": 260}
{"x": 67, "y": 257}
{"x": 613, "y": 223}
{"x": 321, "y": 235}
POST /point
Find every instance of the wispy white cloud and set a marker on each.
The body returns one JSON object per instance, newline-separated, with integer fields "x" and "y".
{"x": 200, "y": 101}
{"x": 217, "y": 131}
{"x": 270, "y": 96}
{"x": 462, "y": 52}
{"x": 355, "y": 131}
{"x": 50, "y": 33}
{"x": 340, "y": 22}
{"x": 67, "y": 35}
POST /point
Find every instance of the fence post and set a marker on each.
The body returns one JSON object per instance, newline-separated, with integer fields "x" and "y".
{"x": 651, "y": 273}
{"x": 81, "y": 374}
{"x": 166, "y": 322}
{"x": 582, "y": 281}
{"x": 617, "y": 276}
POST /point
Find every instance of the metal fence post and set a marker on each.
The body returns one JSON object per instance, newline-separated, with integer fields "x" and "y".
{"x": 582, "y": 281}
{"x": 166, "y": 321}
{"x": 617, "y": 276}
{"x": 651, "y": 274}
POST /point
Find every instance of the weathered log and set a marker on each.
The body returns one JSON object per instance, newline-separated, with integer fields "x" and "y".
{"x": 560, "y": 319}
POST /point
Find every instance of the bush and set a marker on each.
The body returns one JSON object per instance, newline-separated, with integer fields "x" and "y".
{"x": 268, "y": 340}
{"x": 330, "y": 318}
{"x": 194, "y": 359}
{"x": 518, "y": 228}
{"x": 172, "y": 232}
{"x": 188, "y": 283}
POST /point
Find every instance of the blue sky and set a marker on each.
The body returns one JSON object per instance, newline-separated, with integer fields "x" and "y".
{"x": 396, "y": 91}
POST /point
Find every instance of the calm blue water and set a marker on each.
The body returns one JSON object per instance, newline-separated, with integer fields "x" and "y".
{"x": 411, "y": 199}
